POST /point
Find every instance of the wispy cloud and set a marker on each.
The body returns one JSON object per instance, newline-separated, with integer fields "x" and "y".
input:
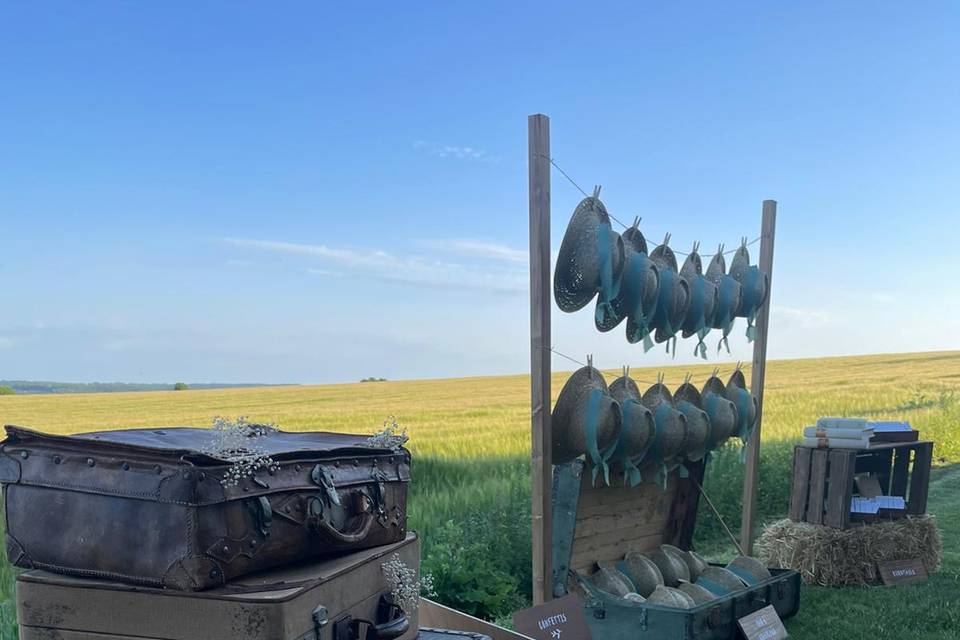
{"x": 479, "y": 249}
{"x": 6, "y": 343}
{"x": 125, "y": 343}
{"x": 806, "y": 318}
{"x": 882, "y": 297}
{"x": 384, "y": 266}
{"x": 327, "y": 273}
{"x": 453, "y": 151}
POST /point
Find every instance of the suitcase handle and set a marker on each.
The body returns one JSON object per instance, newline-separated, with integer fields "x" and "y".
{"x": 318, "y": 523}
{"x": 348, "y": 628}
{"x": 389, "y": 630}
{"x": 397, "y": 624}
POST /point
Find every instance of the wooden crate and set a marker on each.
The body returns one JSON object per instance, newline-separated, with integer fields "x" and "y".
{"x": 823, "y": 481}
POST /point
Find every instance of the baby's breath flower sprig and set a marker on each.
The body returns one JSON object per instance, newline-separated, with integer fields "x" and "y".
{"x": 392, "y": 436}
{"x": 405, "y": 587}
{"x": 236, "y": 442}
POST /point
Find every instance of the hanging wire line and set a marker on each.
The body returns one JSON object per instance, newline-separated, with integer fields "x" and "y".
{"x": 602, "y": 372}
{"x": 717, "y": 514}
{"x": 564, "y": 174}
{"x": 617, "y": 220}
{"x": 715, "y": 372}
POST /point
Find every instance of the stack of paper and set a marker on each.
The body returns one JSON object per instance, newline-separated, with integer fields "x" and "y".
{"x": 891, "y": 502}
{"x": 860, "y": 504}
{"x": 864, "y": 505}
{"x": 890, "y": 427}
{"x": 871, "y": 498}
{"x": 842, "y": 423}
{"x": 839, "y": 433}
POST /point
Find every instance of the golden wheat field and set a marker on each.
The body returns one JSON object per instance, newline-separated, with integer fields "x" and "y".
{"x": 462, "y": 418}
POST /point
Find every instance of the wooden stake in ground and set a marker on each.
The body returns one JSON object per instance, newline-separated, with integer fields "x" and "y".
{"x": 541, "y": 468}
{"x": 751, "y": 474}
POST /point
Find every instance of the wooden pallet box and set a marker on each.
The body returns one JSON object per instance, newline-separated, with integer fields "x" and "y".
{"x": 823, "y": 481}
{"x": 601, "y": 523}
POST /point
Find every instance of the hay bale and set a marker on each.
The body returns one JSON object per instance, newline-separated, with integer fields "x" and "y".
{"x": 848, "y": 557}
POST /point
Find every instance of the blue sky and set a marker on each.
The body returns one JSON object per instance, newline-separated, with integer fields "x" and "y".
{"x": 304, "y": 192}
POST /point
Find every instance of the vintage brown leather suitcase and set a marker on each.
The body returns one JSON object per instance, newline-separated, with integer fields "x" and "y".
{"x": 152, "y": 506}
{"x": 347, "y": 597}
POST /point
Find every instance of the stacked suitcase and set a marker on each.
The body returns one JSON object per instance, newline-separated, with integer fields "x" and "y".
{"x": 152, "y": 534}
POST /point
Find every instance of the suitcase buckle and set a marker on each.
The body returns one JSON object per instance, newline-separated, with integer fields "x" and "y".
{"x": 379, "y": 494}
{"x": 262, "y": 514}
{"x": 321, "y": 476}
{"x": 320, "y": 619}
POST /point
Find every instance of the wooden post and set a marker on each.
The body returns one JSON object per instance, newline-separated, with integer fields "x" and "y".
{"x": 751, "y": 474}
{"x": 541, "y": 466}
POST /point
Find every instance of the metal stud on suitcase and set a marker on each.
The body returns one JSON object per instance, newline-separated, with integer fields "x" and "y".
{"x": 344, "y": 598}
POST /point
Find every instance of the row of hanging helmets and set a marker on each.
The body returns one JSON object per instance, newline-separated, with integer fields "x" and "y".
{"x": 618, "y": 428}
{"x": 647, "y": 289}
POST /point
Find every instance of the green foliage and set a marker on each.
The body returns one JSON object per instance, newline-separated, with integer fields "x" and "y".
{"x": 8, "y": 621}
{"x": 8, "y": 576}
{"x": 724, "y": 484}
{"x": 371, "y": 379}
{"x": 468, "y": 573}
{"x": 181, "y": 386}
{"x": 944, "y": 399}
{"x": 474, "y": 521}
{"x": 6, "y": 391}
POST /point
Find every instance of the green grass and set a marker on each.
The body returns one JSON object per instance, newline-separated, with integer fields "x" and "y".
{"x": 471, "y": 444}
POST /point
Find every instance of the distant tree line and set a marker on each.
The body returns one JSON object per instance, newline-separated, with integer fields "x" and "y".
{"x": 371, "y": 379}
{"x": 40, "y": 386}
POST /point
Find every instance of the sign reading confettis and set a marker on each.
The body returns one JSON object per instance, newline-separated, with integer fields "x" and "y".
{"x": 764, "y": 624}
{"x": 560, "y": 619}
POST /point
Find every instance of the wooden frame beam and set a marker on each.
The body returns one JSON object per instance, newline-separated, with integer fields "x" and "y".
{"x": 541, "y": 466}
{"x": 758, "y": 373}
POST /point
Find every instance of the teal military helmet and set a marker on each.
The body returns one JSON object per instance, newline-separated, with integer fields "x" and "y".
{"x": 673, "y": 298}
{"x": 590, "y": 261}
{"x": 704, "y": 300}
{"x": 586, "y": 419}
{"x": 729, "y": 296}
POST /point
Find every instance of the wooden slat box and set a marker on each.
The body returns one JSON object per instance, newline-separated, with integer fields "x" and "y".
{"x": 823, "y": 481}
{"x": 601, "y": 523}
